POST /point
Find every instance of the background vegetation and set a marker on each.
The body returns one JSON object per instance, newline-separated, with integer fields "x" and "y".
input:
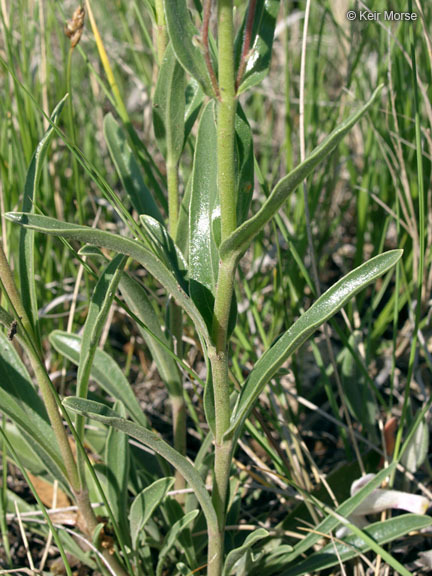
{"x": 356, "y": 394}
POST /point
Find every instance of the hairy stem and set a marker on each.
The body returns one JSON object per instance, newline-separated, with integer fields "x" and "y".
{"x": 226, "y": 118}
{"x": 161, "y": 31}
{"x": 215, "y": 558}
{"x": 225, "y": 284}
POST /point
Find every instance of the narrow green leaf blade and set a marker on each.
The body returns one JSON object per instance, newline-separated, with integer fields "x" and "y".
{"x": 348, "y": 507}
{"x": 145, "y": 504}
{"x": 165, "y": 248}
{"x": 100, "y": 305}
{"x": 204, "y": 217}
{"x": 381, "y": 532}
{"x": 194, "y": 99}
{"x": 417, "y": 448}
{"x": 131, "y": 248}
{"x": 21, "y": 403}
{"x": 173, "y": 536}
{"x": 264, "y": 24}
{"x": 322, "y": 310}
{"x": 137, "y": 300}
{"x": 244, "y": 156}
{"x": 128, "y": 169}
{"x": 26, "y": 249}
{"x": 240, "y": 239}
{"x": 104, "y": 370}
{"x": 358, "y": 395}
{"x": 185, "y": 40}
{"x": 28, "y": 455}
{"x": 117, "y": 459}
{"x": 103, "y": 414}
{"x": 169, "y": 107}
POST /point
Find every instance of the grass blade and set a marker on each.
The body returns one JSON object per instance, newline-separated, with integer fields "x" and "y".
{"x": 128, "y": 169}
{"x": 26, "y": 250}
{"x": 345, "y": 509}
{"x": 379, "y": 533}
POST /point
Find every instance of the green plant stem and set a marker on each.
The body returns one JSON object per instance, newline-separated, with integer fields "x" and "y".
{"x": 83, "y": 503}
{"x": 226, "y": 118}
{"x": 215, "y": 558}
{"x": 225, "y": 285}
{"x": 8, "y": 285}
{"x": 161, "y": 30}
{"x": 222, "y": 306}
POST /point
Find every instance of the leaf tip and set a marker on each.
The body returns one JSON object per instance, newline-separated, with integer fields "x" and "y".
{"x": 17, "y": 217}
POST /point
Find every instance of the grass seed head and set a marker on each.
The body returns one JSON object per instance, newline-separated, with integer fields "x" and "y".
{"x": 74, "y": 27}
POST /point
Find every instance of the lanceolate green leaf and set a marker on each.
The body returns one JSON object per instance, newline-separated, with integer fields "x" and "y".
{"x": 240, "y": 239}
{"x": 139, "y": 303}
{"x": 104, "y": 370}
{"x": 28, "y": 455}
{"x": 131, "y": 248}
{"x": 100, "y": 304}
{"x": 182, "y": 236}
{"x": 26, "y": 252}
{"x": 144, "y": 505}
{"x": 194, "y": 99}
{"x": 358, "y": 395}
{"x": 128, "y": 169}
{"x": 173, "y": 536}
{"x": 21, "y": 403}
{"x": 117, "y": 469}
{"x": 322, "y": 310}
{"x": 169, "y": 107}
{"x": 264, "y": 25}
{"x": 235, "y": 555}
{"x": 165, "y": 248}
{"x": 244, "y": 164}
{"x": 185, "y": 39}
{"x": 204, "y": 216}
{"x": 380, "y": 532}
{"x": 103, "y": 414}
